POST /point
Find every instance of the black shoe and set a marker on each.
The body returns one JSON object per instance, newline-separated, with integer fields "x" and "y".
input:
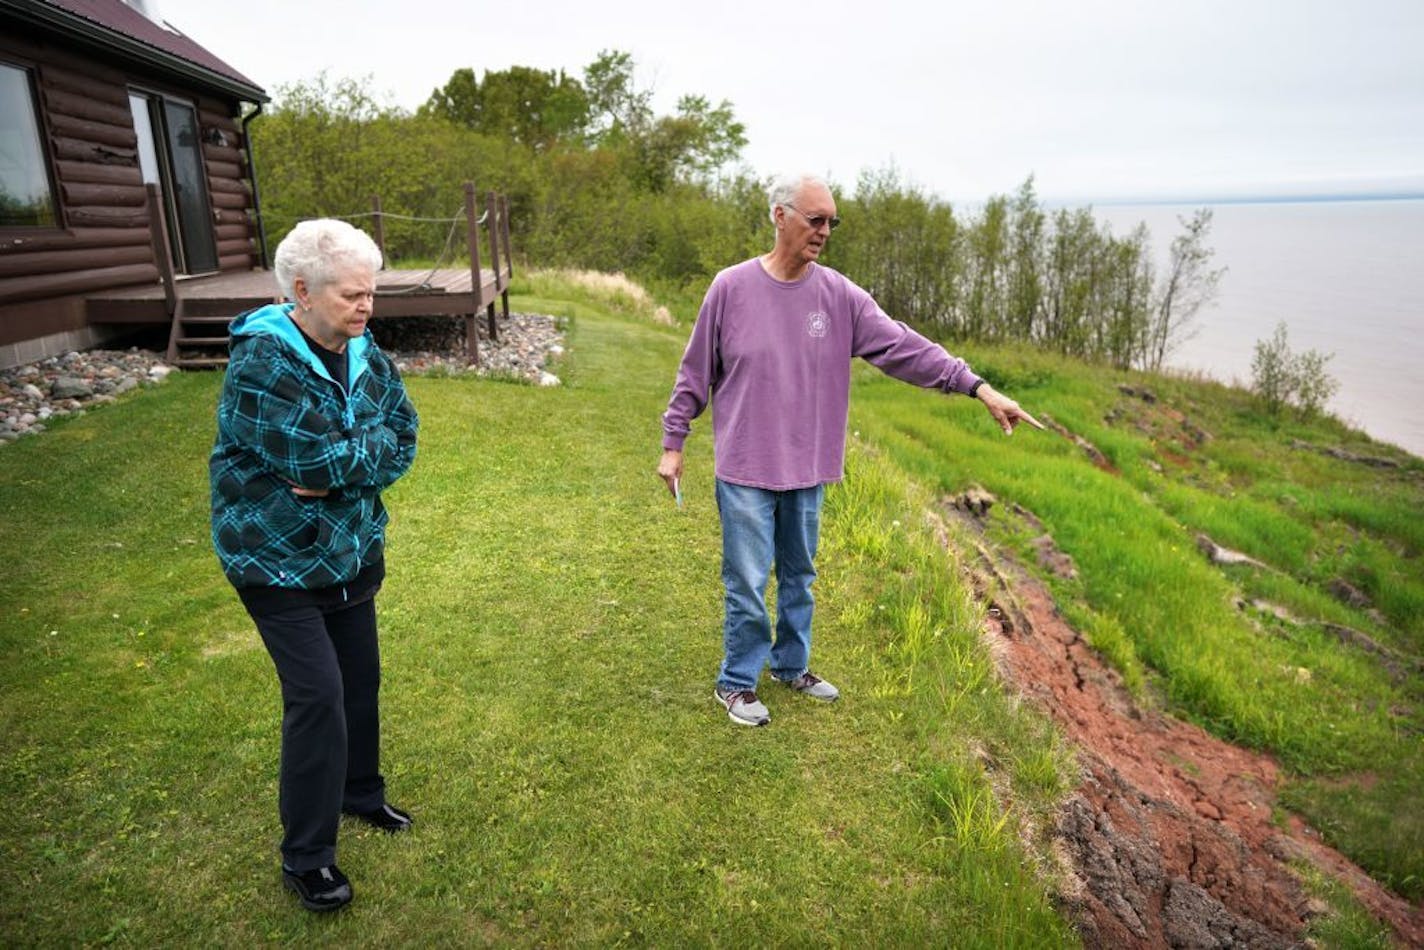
{"x": 320, "y": 889}
{"x": 387, "y": 818}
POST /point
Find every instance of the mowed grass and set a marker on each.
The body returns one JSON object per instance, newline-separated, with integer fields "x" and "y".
{"x": 550, "y": 634}
{"x": 1207, "y": 640}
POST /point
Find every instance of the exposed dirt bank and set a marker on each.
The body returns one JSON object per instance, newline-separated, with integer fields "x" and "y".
{"x": 1170, "y": 834}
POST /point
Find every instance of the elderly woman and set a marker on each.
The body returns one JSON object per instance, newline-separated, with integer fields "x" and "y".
{"x": 313, "y": 423}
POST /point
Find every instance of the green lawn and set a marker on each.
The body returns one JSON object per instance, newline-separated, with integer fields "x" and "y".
{"x": 550, "y": 631}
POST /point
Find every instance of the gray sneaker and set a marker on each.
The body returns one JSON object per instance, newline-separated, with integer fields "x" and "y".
{"x": 809, "y": 684}
{"x": 743, "y": 707}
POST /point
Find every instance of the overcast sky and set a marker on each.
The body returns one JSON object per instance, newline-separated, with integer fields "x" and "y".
{"x": 1098, "y": 99}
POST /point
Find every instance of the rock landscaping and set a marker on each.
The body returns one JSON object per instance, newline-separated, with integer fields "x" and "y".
{"x": 33, "y": 395}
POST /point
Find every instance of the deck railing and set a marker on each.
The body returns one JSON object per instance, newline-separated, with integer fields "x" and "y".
{"x": 437, "y": 292}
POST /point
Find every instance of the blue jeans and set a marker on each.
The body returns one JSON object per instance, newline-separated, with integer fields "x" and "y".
{"x": 758, "y": 527}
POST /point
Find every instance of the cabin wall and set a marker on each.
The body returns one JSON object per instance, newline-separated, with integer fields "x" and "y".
{"x": 103, "y": 238}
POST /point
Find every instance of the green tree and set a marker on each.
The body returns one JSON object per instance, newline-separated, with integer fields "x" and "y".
{"x": 1313, "y": 385}
{"x": 1025, "y": 267}
{"x": 904, "y": 247}
{"x": 1069, "y": 263}
{"x": 691, "y": 145}
{"x": 326, "y": 148}
{"x": 311, "y": 149}
{"x": 618, "y": 109}
{"x": 533, "y": 107}
{"x": 1126, "y": 309}
{"x": 1271, "y": 369}
{"x": 987, "y": 241}
{"x": 1188, "y": 285}
{"x": 701, "y": 138}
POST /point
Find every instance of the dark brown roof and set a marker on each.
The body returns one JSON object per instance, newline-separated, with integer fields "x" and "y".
{"x": 118, "y": 27}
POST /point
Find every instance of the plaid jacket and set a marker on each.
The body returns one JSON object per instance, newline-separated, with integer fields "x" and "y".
{"x": 283, "y": 421}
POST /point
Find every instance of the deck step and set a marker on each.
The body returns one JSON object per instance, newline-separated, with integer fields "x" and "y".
{"x": 198, "y": 340}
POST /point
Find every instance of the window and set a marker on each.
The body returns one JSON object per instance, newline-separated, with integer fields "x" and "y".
{"x": 26, "y": 199}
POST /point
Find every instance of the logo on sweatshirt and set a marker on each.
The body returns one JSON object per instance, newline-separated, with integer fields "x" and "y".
{"x": 817, "y": 323}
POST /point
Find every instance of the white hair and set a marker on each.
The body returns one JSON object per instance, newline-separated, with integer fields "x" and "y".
{"x": 320, "y": 251}
{"x": 783, "y": 189}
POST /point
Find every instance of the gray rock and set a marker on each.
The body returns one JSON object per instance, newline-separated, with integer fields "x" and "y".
{"x": 1220, "y": 555}
{"x": 975, "y": 500}
{"x": 70, "y": 387}
{"x": 1348, "y": 594}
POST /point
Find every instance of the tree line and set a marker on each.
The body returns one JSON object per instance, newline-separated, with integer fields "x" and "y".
{"x": 597, "y": 179}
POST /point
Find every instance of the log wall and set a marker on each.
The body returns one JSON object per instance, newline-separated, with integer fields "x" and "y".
{"x": 102, "y": 240}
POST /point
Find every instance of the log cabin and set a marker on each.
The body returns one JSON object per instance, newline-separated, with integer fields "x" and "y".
{"x": 97, "y": 101}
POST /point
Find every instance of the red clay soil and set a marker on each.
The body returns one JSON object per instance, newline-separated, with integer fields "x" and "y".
{"x": 1170, "y": 833}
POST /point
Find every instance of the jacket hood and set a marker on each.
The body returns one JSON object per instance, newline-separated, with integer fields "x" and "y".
{"x": 275, "y": 321}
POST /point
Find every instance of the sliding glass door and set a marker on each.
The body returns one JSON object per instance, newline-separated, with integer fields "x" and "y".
{"x": 170, "y": 155}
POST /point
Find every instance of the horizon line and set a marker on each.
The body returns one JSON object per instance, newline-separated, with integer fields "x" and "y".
{"x": 1302, "y": 197}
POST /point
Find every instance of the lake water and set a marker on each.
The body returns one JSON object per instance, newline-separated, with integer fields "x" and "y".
{"x": 1347, "y": 277}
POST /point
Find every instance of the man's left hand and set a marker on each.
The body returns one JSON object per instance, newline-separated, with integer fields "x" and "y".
{"x": 1005, "y": 411}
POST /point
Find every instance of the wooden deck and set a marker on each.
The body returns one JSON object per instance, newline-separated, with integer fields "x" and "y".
{"x": 399, "y": 293}
{"x": 198, "y": 309}
{"x": 205, "y": 305}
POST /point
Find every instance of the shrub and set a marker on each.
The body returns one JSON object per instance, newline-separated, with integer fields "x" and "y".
{"x": 1280, "y": 378}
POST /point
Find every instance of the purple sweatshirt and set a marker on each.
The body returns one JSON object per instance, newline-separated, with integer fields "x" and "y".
{"x": 775, "y": 358}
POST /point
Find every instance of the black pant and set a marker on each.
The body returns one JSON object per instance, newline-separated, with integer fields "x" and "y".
{"x": 329, "y": 664}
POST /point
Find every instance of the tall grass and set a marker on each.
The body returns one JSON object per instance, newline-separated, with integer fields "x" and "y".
{"x": 1147, "y": 597}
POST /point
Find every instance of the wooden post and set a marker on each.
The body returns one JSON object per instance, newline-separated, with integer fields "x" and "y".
{"x": 158, "y": 236}
{"x": 472, "y": 238}
{"x": 378, "y": 225}
{"x": 508, "y": 256}
{"x": 492, "y": 228}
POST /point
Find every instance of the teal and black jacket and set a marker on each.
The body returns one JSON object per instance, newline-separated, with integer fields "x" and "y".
{"x": 283, "y": 421}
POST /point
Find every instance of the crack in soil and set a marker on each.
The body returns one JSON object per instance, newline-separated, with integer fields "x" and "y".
{"x": 1170, "y": 833}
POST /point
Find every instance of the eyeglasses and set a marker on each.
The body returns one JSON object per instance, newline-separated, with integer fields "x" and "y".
{"x": 816, "y": 220}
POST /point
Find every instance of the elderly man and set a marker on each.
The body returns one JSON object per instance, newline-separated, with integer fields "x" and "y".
{"x": 772, "y": 345}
